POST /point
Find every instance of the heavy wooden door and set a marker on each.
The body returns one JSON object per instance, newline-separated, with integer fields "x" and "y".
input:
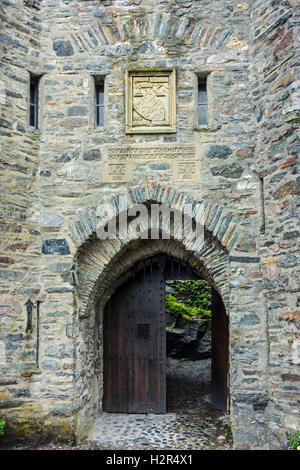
{"x": 135, "y": 346}
{"x": 220, "y": 354}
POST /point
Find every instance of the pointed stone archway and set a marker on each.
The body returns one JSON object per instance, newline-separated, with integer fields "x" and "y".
{"x": 101, "y": 264}
{"x": 219, "y": 226}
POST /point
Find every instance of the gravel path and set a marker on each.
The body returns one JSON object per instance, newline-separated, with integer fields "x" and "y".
{"x": 190, "y": 422}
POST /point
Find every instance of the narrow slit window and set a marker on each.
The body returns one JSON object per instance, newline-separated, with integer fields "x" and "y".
{"x": 262, "y": 201}
{"x": 34, "y": 102}
{"x": 202, "y": 102}
{"x": 99, "y": 89}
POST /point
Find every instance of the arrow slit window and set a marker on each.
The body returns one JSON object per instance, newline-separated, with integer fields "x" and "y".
{"x": 99, "y": 103}
{"x": 34, "y": 102}
{"x": 202, "y": 102}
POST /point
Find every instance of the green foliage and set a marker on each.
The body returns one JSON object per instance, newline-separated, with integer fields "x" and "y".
{"x": 195, "y": 293}
{"x": 2, "y": 424}
{"x": 177, "y": 308}
{"x": 293, "y": 442}
{"x": 193, "y": 299}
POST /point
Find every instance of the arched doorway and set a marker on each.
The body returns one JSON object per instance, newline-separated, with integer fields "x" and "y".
{"x": 134, "y": 340}
{"x": 101, "y": 266}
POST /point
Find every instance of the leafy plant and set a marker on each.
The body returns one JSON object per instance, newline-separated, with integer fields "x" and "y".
{"x": 176, "y": 308}
{"x": 193, "y": 299}
{"x": 2, "y": 424}
{"x": 293, "y": 442}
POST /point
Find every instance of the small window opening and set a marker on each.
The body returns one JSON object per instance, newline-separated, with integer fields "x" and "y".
{"x": 99, "y": 90}
{"x": 34, "y": 102}
{"x": 202, "y": 102}
{"x": 262, "y": 202}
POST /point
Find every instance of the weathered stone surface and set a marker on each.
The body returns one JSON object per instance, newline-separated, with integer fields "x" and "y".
{"x": 93, "y": 154}
{"x": 60, "y": 267}
{"x": 259, "y": 401}
{"x": 249, "y": 319}
{"x": 77, "y": 111}
{"x": 287, "y": 189}
{"x": 228, "y": 171}
{"x": 245, "y": 355}
{"x": 20, "y": 392}
{"x": 52, "y": 219}
{"x": 33, "y": 3}
{"x": 247, "y": 243}
{"x": 50, "y": 365}
{"x": 63, "y": 48}
{"x": 55, "y": 245}
{"x": 67, "y": 156}
{"x": 219, "y": 151}
{"x": 186, "y": 342}
{"x": 244, "y": 153}
{"x": 58, "y": 350}
{"x": 52, "y": 186}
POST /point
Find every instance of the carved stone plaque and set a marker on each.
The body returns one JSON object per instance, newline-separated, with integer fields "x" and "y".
{"x": 119, "y": 160}
{"x": 187, "y": 171}
{"x": 150, "y": 102}
{"x": 149, "y": 152}
{"x": 116, "y": 172}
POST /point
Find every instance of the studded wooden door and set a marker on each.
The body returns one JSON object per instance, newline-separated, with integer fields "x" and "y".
{"x": 135, "y": 345}
{"x": 220, "y": 354}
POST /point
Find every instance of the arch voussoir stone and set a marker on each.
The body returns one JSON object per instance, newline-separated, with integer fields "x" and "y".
{"x": 211, "y": 217}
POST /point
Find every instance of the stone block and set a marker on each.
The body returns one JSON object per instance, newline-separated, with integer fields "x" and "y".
{"x": 55, "y": 246}
{"x": 63, "y": 48}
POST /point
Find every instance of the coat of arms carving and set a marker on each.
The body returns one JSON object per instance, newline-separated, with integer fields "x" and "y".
{"x": 150, "y": 102}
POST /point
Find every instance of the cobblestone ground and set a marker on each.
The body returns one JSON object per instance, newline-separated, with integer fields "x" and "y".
{"x": 190, "y": 423}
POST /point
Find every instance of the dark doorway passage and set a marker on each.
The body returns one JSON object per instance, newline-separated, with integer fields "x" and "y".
{"x": 152, "y": 401}
{"x": 188, "y": 384}
{"x": 135, "y": 345}
{"x": 188, "y": 339}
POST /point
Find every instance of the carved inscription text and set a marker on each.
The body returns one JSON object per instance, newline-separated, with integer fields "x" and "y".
{"x": 154, "y": 152}
{"x": 118, "y": 160}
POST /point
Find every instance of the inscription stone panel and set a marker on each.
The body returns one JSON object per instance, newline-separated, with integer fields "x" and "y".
{"x": 186, "y": 171}
{"x": 116, "y": 172}
{"x": 142, "y": 152}
{"x": 118, "y": 160}
{"x": 150, "y": 102}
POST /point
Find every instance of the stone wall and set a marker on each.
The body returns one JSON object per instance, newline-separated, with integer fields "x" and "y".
{"x": 274, "y": 83}
{"x": 53, "y": 182}
{"x": 20, "y": 36}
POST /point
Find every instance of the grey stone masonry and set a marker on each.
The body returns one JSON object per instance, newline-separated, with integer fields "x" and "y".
{"x": 61, "y": 181}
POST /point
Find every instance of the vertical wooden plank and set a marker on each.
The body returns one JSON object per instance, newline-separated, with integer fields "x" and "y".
{"x": 134, "y": 363}
{"x": 220, "y": 353}
{"x": 115, "y": 356}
